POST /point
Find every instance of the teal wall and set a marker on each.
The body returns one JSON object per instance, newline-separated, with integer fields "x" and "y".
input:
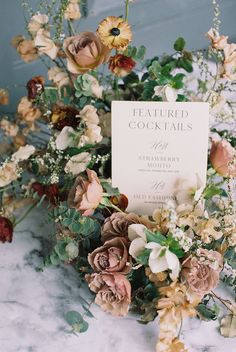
{"x": 156, "y": 23}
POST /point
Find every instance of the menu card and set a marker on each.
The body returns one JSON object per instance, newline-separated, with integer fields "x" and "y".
{"x": 156, "y": 145}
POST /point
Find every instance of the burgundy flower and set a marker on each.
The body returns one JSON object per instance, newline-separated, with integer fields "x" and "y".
{"x": 120, "y": 201}
{"x": 38, "y": 188}
{"x": 6, "y": 230}
{"x": 35, "y": 87}
{"x": 52, "y": 193}
{"x": 121, "y": 65}
{"x": 65, "y": 116}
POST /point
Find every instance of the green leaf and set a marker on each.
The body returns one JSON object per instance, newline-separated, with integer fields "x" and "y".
{"x": 156, "y": 237}
{"x": 213, "y": 190}
{"x": 174, "y": 246}
{"x": 80, "y": 327}
{"x": 132, "y": 78}
{"x": 179, "y": 44}
{"x": 207, "y": 313}
{"x": 140, "y": 53}
{"x": 88, "y": 312}
{"x": 73, "y": 317}
{"x": 185, "y": 64}
{"x": 143, "y": 257}
{"x": 178, "y": 81}
{"x": 111, "y": 191}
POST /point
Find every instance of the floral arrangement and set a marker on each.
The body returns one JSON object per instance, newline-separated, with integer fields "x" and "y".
{"x": 56, "y": 151}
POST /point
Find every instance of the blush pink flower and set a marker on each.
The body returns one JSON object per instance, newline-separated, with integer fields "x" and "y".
{"x": 222, "y": 158}
{"x": 86, "y": 195}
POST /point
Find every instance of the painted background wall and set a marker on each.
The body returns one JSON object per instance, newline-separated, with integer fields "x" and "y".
{"x": 156, "y": 23}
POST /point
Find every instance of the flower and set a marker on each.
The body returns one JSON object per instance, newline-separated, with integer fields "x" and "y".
{"x": 229, "y": 64}
{"x": 87, "y": 85}
{"x": 37, "y": 22}
{"x": 35, "y": 87}
{"x": 115, "y": 33}
{"x": 25, "y": 48}
{"x": 63, "y": 116}
{"x": 65, "y": 138}
{"x": 201, "y": 272}
{"x": 72, "y": 11}
{"x": 72, "y": 250}
{"x": 120, "y": 201}
{"x": 218, "y": 42}
{"x": 84, "y": 52}
{"x": 59, "y": 77}
{"x": 8, "y": 173}
{"x": 121, "y": 65}
{"x": 89, "y": 115}
{"x": 6, "y": 230}
{"x": 4, "y": 97}
{"x": 45, "y": 44}
{"x": 222, "y": 158}
{"x": 78, "y": 163}
{"x": 166, "y": 92}
{"x": 92, "y": 135}
{"x": 23, "y": 153}
{"x": 52, "y": 193}
{"x": 160, "y": 259}
{"x": 27, "y": 111}
{"x": 10, "y": 129}
{"x": 111, "y": 257}
{"x": 113, "y": 292}
{"x": 118, "y": 223}
{"x": 105, "y": 123}
{"x": 86, "y": 195}
{"x": 209, "y": 230}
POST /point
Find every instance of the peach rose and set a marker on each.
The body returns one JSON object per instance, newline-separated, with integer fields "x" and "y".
{"x": 27, "y": 111}
{"x": 25, "y": 48}
{"x": 84, "y": 52}
{"x": 45, "y": 44}
{"x": 222, "y": 158}
{"x": 111, "y": 257}
{"x": 86, "y": 195}
{"x": 113, "y": 292}
{"x": 202, "y": 272}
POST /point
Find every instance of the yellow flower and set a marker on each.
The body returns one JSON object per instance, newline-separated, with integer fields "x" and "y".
{"x": 115, "y": 33}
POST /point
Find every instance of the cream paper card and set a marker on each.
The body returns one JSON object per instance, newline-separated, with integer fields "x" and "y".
{"x": 154, "y": 146}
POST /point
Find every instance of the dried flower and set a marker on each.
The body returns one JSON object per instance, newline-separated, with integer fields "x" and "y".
{"x": 222, "y": 158}
{"x": 121, "y": 65}
{"x": 63, "y": 116}
{"x": 37, "y": 22}
{"x": 9, "y": 128}
{"x": 27, "y": 111}
{"x": 113, "y": 292}
{"x": 89, "y": 115}
{"x": 115, "y": 33}
{"x": 59, "y": 76}
{"x": 219, "y": 42}
{"x": 72, "y": 11}
{"x": 78, "y": 163}
{"x": 92, "y": 135}
{"x": 8, "y": 173}
{"x": 35, "y": 87}
{"x": 105, "y": 123}
{"x": 23, "y": 153}
{"x": 45, "y": 44}
{"x": 4, "y": 97}
{"x": 6, "y": 230}
{"x": 84, "y": 52}
{"x": 25, "y": 48}
{"x": 209, "y": 230}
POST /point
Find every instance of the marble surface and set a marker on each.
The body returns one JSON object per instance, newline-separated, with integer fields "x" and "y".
{"x": 33, "y": 307}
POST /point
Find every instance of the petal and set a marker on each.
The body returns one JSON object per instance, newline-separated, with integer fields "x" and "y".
{"x": 158, "y": 264}
{"x": 137, "y": 230}
{"x": 136, "y": 247}
{"x": 153, "y": 245}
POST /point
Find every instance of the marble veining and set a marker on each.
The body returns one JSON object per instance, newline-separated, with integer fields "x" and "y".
{"x": 33, "y": 307}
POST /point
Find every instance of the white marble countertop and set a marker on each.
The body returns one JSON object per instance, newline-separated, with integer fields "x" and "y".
{"x": 33, "y": 307}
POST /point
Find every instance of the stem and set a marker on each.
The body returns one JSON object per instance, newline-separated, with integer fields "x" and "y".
{"x": 225, "y": 302}
{"x": 126, "y": 9}
{"x": 25, "y": 214}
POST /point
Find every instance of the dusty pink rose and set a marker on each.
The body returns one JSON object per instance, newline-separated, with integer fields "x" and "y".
{"x": 117, "y": 225}
{"x": 201, "y": 272}
{"x": 84, "y": 52}
{"x": 111, "y": 257}
{"x": 86, "y": 195}
{"x": 222, "y": 158}
{"x": 113, "y": 292}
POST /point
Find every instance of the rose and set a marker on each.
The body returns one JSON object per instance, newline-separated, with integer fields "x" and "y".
{"x": 222, "y": 156}
{"x": 35, "y": 87}
{"x": 59, "y": 77}
{"x": 117, "y": 225}
{"x": 111, "y": 257}
{"x": 45, "y": 44}
{"x": 25, "y": 48}
{"x": 113, "y": 292}
{"x": 201, "y": 272}
{"x": 27, "y": 110}
{"x": 6, "y": 230}
{"x": 86, "y": 195}
{"x": 121, "y": 65}
{"x": 84, "y": 52}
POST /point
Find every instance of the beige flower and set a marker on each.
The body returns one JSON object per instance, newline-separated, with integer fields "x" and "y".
{"x": 25, "y": 48}
{"x": 45, "y": 44}
{"x": 65, "y": 138}
{"x": 23, "y": 153}
{"x": 84, "y": 52}
{"x": 201, "y": 272}
{"x": 209, "y": 230}
{"x": 111, "y": 257}
{"x": 72, "y": 11}
{"x": 27, "y": 111}
{"x": 89, "y": 115}
{"x": 223, "y": 157}
{"x": 219, "y": 42}
{"x": 10, "y": 129}
{"x": 4, "y": 97}
{"x": 229, "y": 65}
{"x": 105, "y": 123}
{"x": 92, "y": 135}
{"x": 78, "y": 163}
{"x": 37, "y": 22}
{"x": 113, "y": 292}
{"x": 59, "y": 77}
{"x": 97, "y": 90}
{"x": 8, "y": 173}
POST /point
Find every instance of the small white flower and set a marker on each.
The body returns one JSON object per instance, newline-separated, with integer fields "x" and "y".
{"x": 23, "y": 153}
{"x": 64, "y": 139}
{"x": 167, "y": 93}
{"x": 72, "y": 250}
{"x": 78, "y": 163}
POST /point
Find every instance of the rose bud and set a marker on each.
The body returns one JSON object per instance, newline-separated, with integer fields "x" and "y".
{"x": 63, "y": 116}
{"x": 120, "y": 201}
{"x": 121, "y": 65}
{"x": 35, "y": 87}
{"x": 6, "y": 230}
{"x": 84, "y": 52}
{"x": 223, "y": 158}
{"x": 38, "y": 188}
